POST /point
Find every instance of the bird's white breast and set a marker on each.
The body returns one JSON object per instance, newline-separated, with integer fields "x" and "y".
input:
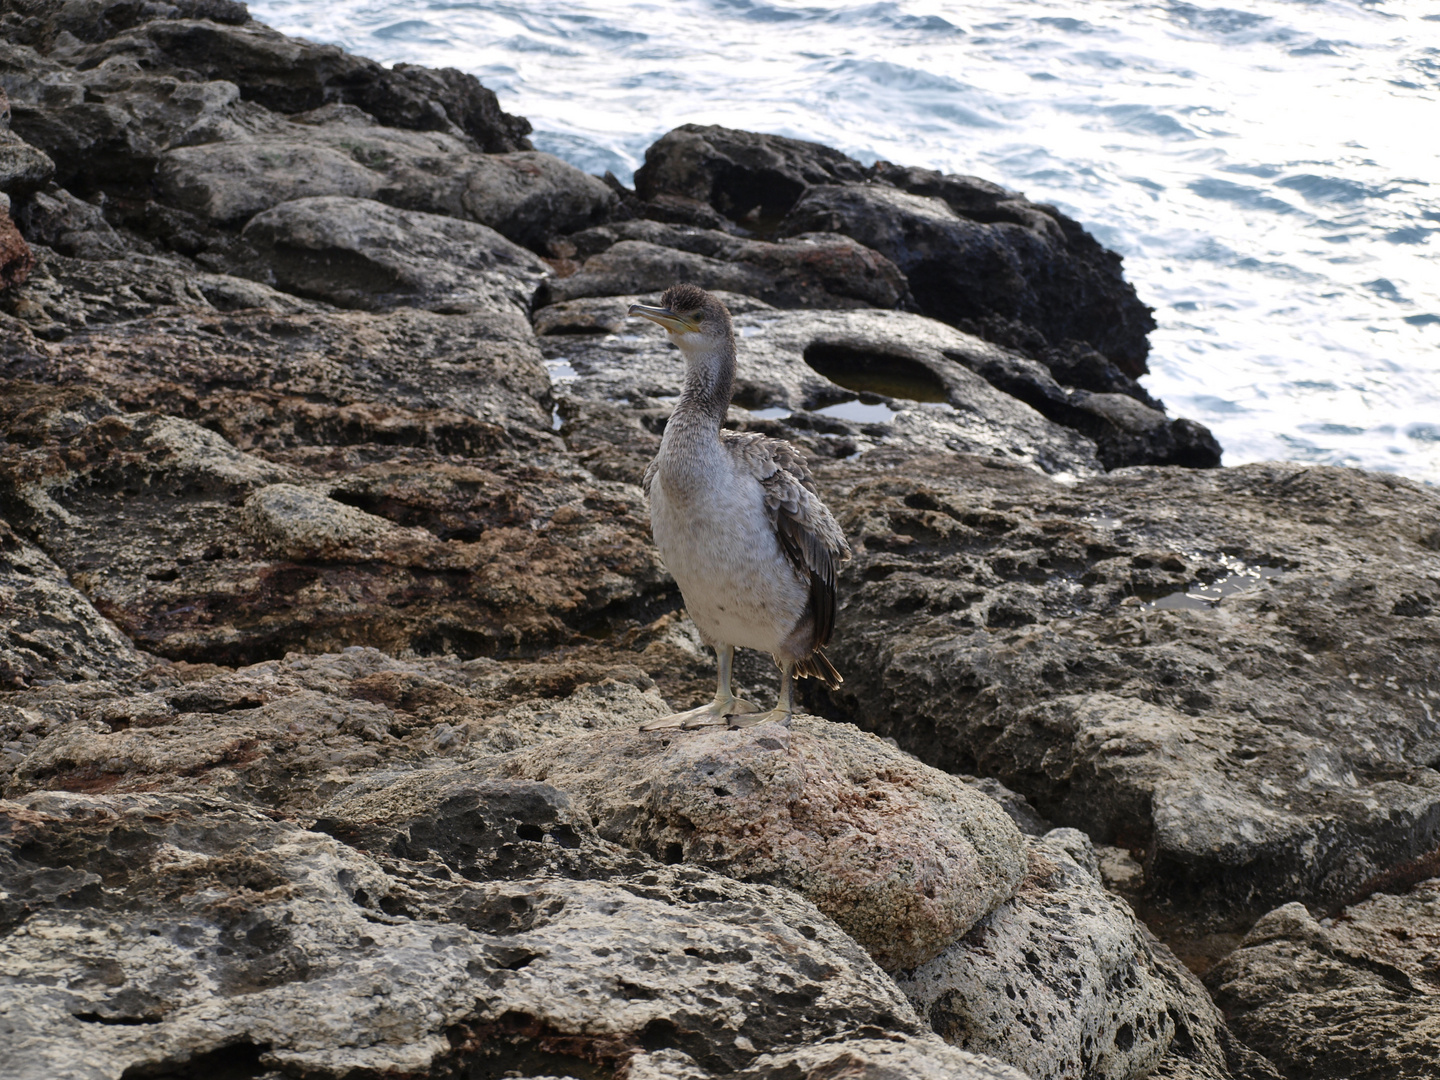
{"x": 712, "y": 530}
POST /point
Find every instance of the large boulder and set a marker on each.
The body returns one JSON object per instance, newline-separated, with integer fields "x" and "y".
{"x": 1056, "y": 279}
{"x": 743, "y": 174}
{"x": 903, "y": 857}
{"x": 1352, "y": 996}
{"x": 358, "y": 253}
{"x": 1226, "y": 672}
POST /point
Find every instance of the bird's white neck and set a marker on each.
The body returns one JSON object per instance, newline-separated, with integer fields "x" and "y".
{"x": 709, "y": 382}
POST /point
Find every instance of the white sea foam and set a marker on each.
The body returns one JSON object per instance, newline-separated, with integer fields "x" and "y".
{"x": 1268, "y": 168}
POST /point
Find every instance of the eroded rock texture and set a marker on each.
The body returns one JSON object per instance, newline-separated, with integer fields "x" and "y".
{"x": 1356, "y": 996}
{"x": 1145, "y": 655}
{"x": 329, "y": 613}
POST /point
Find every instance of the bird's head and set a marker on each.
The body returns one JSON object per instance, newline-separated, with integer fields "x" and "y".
{"x": 697, "y": 322}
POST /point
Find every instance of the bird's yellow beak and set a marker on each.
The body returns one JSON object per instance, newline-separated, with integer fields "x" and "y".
{"x": 676, "y": 324}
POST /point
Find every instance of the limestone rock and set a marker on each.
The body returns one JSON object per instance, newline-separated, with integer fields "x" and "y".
{"x": 1352, "y": 997}
{"x": 145, "y": 512}
{"x": 48, "y": 629}
{"x": 358, "y": 253}
{"x": 785, "y": 360}
{"x": 226, "y": 939}
{"x": 1203, "y": 668}
{"x": 1060, "y": 981}
{"x": 903, "y": 857}
{"x": 873, "y": 1059}
{"x": 298, "y": 523}
{"x": 288, "y": 735}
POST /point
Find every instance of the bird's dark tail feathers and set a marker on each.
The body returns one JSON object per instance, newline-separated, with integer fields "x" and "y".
{"x": 818, "y": 666}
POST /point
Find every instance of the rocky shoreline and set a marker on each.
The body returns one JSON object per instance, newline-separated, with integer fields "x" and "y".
{"x": 328, "y": 614}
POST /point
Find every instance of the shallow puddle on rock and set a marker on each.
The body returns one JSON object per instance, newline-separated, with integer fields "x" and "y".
{"x": 560, "y": 371}
{"x": 774, "y": 412}
{"x": 867, "y": 372}
{"x": 1200, "y": 596}
{"x": 858, "y": 412}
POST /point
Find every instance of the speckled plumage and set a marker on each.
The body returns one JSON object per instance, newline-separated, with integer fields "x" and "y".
{"x": 736, "y": 517}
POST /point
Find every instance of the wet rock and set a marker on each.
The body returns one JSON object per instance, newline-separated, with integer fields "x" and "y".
{"x": 361, "y": 254}
{"x": 740, "y": 173}
{"x": 1355, "y": 996}
{"x": 816, "y": 271}
{"x": 1202, "y": 668}
{"x": 213, "y": 916}
{"x": 1057, "y": 280}
{"x": 903, "y": 857}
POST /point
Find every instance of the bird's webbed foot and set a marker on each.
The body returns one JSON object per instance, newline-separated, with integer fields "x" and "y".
{"x": 774, "y": 716}
{"x": 718, "y": 713}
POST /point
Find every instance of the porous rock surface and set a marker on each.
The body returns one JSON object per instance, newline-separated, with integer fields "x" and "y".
{"x": 905, "y": 858}
{"x": 322, "y": 425}
{"x": 1353, "y": 996}
{"x": 1061, "y": 640}
{"x": 150, "y": 932}
{"x": 1110, "y": 1003}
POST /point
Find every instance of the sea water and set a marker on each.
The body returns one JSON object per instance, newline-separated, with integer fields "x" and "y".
{"x": 1270, "y": 169}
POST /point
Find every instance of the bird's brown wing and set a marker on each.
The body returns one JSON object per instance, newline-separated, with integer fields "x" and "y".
{"x": 649, "y": 477}
{"x": 808, "y": 534}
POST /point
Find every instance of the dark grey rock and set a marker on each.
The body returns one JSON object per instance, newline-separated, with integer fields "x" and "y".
{"x": 739, "y": 172}
{"x": 1353, "y": 996}
{"x": 1057, "y": 280}
{"x": 358, "y": 253}
{"x": 816, "y": 271}
{"x": 289, "y": 75}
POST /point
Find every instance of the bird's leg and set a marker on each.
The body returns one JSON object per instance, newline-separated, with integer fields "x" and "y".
{"x": 726, "y": 704}
{"x": 784, "y": 705}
